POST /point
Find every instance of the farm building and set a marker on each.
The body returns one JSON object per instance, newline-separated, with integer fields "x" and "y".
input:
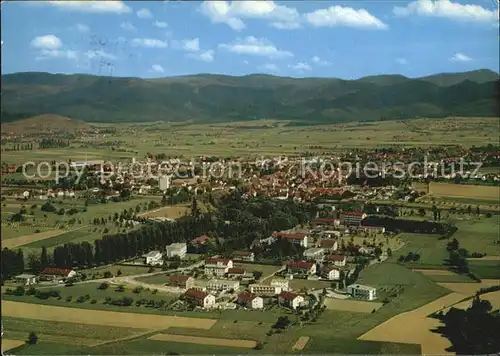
{"x": 56, "y": 274}
{"x": 362, "y": 292}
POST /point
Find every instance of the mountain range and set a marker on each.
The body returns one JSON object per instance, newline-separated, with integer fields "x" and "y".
{"x": 220, "y": 98}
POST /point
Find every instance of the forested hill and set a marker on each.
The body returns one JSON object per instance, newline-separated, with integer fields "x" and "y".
{"x": 216, "y": 98}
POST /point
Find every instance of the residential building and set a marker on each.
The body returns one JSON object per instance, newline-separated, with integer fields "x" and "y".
{"x": 219, "y": 285}
{"x": 244, "y": 256}
{"x": 250, "y": 300}
{"x": 154, "y": 258}
{"x": 281, "y": 283}
{"x": 56, "y": 274}
{"x": 350, "y": 218}
{"x": 326, "y": 222}
{"x": 290, "y": 300}
{"x": 217, "y": 266}
{"x": 338, "y": 260}
{"x": 329, "y": 244}
{"x": 371, "y": 230}
{"x": 314, "y": 254}
{"x": 181, "y": 281}
{"x": 200, "y": 298}
{"x": 301, "y": 267}
{"x": 362, "y": 292}
{"x": 176, "y": 249}
{"x": 26, "y": 279}
{"x": 330, "y": 272}
{"x": 261, "y": 289}
{"x": 200, "y": 240}
{"x": 236, "y": 272}
{"x": 300, "y": 239}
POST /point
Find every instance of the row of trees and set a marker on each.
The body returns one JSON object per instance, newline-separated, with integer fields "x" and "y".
{"x": 410, "y": 226}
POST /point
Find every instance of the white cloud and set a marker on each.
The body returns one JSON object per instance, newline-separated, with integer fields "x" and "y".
{"x": 160, "y": 24}
{"x": 300, "y": 67}
{"x": 460, "y": 57}
{"x": 232, "y": 13}
{"x": 206, "y": 56}
{"x": 99, "y": 54}
{"x": 128, "y": 26}
{"x": 338, "y": 16}
{"x": 257, "y": 47}
{"x": 49, "y": 42}
{"x": 402, "y": 61}
{"x": 268, "y": 67}
{"x": 144, "y": 14}
{"x": 447, "y": 9}
{"x": 82, "y": 28}
{"x": 57, "y": 53}
{"x": 117, "y": 7}
{"x": 191, "y": 45}
{"x": 319, "y": 61}
{"x": 149, "y": 43}
{"x": 156, "y": 68}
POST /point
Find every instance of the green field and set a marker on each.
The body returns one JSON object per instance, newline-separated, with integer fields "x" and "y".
{"x": 156, "y": 279}
{"x": 266, "y": 270}
{"x": 485, "y": 269}
{"x": 432, "y": 251}
{"x": 479, "y": 235}
{"x": 455, "y": 278}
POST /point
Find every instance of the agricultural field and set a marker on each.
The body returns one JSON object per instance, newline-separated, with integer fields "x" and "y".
{"x": 246, "y": 344}
{"x": 355, "y": 306}
{"x": 393, "y": 242}
{"x": 479, "y": 235}
{"x": 467, "y": 191}
{"x": 431, "y": 249}
{"x": 169, "y": 212}
{"x": 298, "y": 284}
{"x": 159, "y": 279}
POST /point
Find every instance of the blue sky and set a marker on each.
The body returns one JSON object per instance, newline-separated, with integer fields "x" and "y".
{"x": 301, "y": 38}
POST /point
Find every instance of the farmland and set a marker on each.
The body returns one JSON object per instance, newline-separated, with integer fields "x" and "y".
{"x": 432, "y": 251}
{"x": 355, "y": 306}
{"x": 247, "y": 344}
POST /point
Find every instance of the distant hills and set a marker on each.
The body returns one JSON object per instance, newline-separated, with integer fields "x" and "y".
{"x": 44, "y": 123}
{"x": 220, "y": 98}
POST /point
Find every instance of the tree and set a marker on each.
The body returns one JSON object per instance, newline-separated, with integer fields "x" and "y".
{"x": 32, "y": 338}
{"x": 389, "y": 252}
{"x": 44, "y": 258}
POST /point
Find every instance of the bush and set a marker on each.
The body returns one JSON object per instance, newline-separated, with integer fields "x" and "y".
{"x": 69, "y": 299}
{"x": 93, "y": 301}
{"x": 32, "y": 338}
{"x": 107, "y": 274}
{"x": 103, "y": 286}
{"x": 80, "y": 299}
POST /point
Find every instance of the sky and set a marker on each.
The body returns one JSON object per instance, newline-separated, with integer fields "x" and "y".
{"x": 343, "y": 39}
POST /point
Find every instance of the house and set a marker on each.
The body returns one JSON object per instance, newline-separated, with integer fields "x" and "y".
{"x": 314, "y": 254}
{"x": 244, "y": 256}
{"x": 154, "y": 258}
{"x": 26, "y": 279}
{"x": 181, "y": 281}
{"x": 367, "y": 250}
{"x": 200, "y": 298}
{"x": 326, "y": 222}
{"x": 301, "y": 267}
{"x": 371, "y": 230}
{"x": 200, "y": 240}
{"x": 290, "y": 300}
{"x": 329, "y": 244}
{"x": 281, "y": 283}
{"x": 236, "y": 272}
{"x": 350, "y": 218}
{"x": 250, "y": 300}
{"x": 295, "y": 238}
{"x": 338, "y": 260}
{"x": 362, "y": 292}
{"x": 176, "y": 249}
{"x": 261, "y": 289}
{"x": 217, "y": 266}
{"x": 330, "y": 272}
{"x": 218, "y": 285}
{"x": 56, "y": 274}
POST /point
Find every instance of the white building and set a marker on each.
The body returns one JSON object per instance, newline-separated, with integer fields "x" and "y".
{"x": 290, "y": 300}
{"x": 262, "y": 289}
{"x": 219, "y": 285}
{"x": 351, "y": 217}
{"x": 26, "y": 279}
{"x": 250, "y": 300}
{"x": 154, "y": 258}
{"x": 338, "y": 260}
{"x": 314, "y": 254}
{"x": 281, "y": 283}
{"x": 330, "y": 273}
{"x": 217, "y": 266}
{"x": 164, "y": 183}
{"x": 176, "y": 249}
{"x": 362, "y": 292}
{"x": 300, "y": 239}
{"x": 200, "y": 298}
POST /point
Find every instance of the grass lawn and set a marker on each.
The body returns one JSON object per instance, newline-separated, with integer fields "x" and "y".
{"x": 298, "y": 284}
{"x": 265, "y": 269}
{"x": 159, "y": 279}
{"x": 479, "y": 235}
{"x": 125, "y": 270}
{"x": 455, "y": 278}
{"x": 360, "y": 347}
{"x": 432, "y": 251}
{"x": 485, "y": 269}
{"x": 44, "y": 347}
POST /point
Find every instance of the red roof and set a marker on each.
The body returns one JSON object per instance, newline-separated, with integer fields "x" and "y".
{"x": 236, "y": 270}
{"x": 196, "y": 294}
{"x": 56, "y": 271}
{"x": 327, "y": 243}
{"x": 336, "y": 257}
{"x": 213, "y": 261}
{"x": 246, "y": 296}
{"x": 351, "y": 213}
{"x": 178, "y": 278}
{"x": 200, "y": 239}
{"x": 288, "y": 295}
{"x": 326, "y": 220}
{"x": 300, "y": 265}
{"x": 283, "y": 235}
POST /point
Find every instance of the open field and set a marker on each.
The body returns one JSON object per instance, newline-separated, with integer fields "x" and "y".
{"x": 470, "y": 288}
{"x": 8, "y": 344}
{"x": 435, "y": 272}
{"x": 485, "y": 258}
{"x": 27, "y": 239}
{"x": 242, "y": 138}
{"x": 298, "y": 284}
{"x": 170, "y": 212}
{"x": 432, "y": 251}
{"x": 479, "y": 235}
{"x": 124, "y": 269}
{"x": 485, "y": 269}
{"x": 492, "y": 297}
{"x": 482, "y": 192}
{"x": 204, "y": 340}
{"x": 105, "y": 318}
{"x": 442, "y": 275}
{"x": 356, "y": 306}
{"x": 266, "y": 270}
{"x": 301, "y": 343}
